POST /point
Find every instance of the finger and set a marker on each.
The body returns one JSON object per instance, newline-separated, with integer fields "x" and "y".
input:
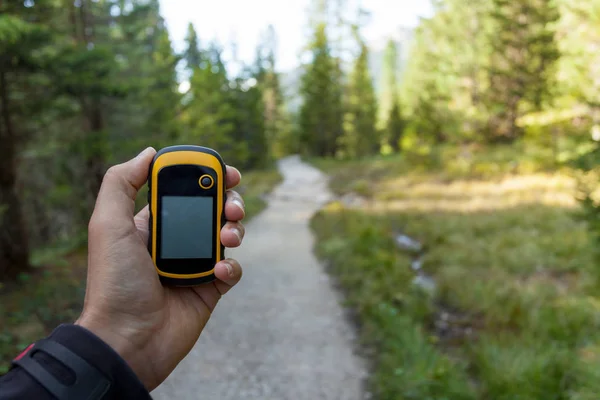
{"x": 141, "y": 223}
{"x": 228, "y": 273}
{"x": 234, "y": 206}
{"x": 234, "y": 211}
{"x": 116, "y": 199}
{"x": 233, "y": 177}
{"x": 232, "y": 234}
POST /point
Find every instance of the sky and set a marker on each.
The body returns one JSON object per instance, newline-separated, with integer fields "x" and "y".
{"x": 242, "y": 21}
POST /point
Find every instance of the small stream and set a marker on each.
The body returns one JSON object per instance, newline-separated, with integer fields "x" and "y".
{"x": 416, "y": 249}
{"x": 450, "y": 325}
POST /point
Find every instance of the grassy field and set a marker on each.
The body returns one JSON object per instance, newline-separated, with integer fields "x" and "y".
{"x": 53, "y": 292}
{"x": 515, "y": 312}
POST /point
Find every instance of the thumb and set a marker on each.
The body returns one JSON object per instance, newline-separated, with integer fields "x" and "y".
{"x": 116, "y": 199}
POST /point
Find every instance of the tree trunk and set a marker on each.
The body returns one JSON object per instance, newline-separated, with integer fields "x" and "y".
{"x": 93, "y": 119}
{"x": 513, "y": 130}
{"x": 14, "y": 246}
{"x": 93, "y": 126}
{"x": 96, "y": 162}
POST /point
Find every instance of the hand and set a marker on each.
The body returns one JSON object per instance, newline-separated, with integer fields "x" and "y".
{"x": 152, "y": 327}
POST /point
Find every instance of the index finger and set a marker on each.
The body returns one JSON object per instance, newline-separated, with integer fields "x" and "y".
{"x": 233, "y": 177}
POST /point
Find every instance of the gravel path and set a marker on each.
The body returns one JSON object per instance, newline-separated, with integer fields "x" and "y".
{"x": 281, "y": 333}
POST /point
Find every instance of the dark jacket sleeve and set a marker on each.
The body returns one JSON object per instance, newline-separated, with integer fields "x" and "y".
{"x": 124, "y": 384}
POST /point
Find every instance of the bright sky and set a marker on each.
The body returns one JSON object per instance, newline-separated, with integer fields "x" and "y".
{"x": 242, "y": 21}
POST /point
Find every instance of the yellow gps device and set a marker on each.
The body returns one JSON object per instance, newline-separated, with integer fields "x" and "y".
{"x": 186, "y": 194}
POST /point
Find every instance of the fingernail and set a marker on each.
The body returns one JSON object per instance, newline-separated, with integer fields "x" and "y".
{"x": 239, "y": 203}
{"x": 237, "y": 233}
{"x": 229, "y": 269}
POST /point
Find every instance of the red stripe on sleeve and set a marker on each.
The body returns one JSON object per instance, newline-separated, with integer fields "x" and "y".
{"x": 24, "y": 352}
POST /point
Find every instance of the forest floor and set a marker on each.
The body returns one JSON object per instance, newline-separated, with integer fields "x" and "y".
{"x": 52, "y": 292}
{"x": 472, "y": 275}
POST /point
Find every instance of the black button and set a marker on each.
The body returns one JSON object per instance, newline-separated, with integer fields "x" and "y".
{"x": 206, "y": 182}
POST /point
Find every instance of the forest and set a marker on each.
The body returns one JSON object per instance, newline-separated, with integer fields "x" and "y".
{"x": 488, "y": 106}
{"x": 87, "y": 83}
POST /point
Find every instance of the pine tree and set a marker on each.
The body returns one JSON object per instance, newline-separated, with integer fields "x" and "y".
{"x": 361, "y": 135}
{"x": 160, "y": 97}
{"x": 446, "y": 78}
{"x": 19, "y": 41}
{"x": 276, "y": 119}
{"x": 524, "y": 51}
{"x": 389, "y": 81}
{"x": 193, "y": 54}
{"x": 321, "y": 114}
{"x": 86, "y": 73}
{"x": 394, "y": 125}
{"x": 81, "y": 85}
{"x": 211, "y": 112}
{"x": 247, "y": 98}
{"x": 150, "y": 102}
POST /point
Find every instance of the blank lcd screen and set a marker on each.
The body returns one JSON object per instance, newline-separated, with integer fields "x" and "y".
{"x": 187, "y": 227}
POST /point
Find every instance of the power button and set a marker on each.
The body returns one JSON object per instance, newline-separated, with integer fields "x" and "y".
{"x": 206, "y": 181}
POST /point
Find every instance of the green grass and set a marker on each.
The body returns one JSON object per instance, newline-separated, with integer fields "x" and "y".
{"x": 516, "y": 279}
{"x": 42, "y": 299}
{"x": 52, "y": 293}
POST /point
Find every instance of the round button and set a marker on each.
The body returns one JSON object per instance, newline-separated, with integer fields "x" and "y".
{"x": 206, "y": 181}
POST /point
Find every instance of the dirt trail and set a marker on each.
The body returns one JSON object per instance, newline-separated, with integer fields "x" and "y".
{"x": 281, "y": 333}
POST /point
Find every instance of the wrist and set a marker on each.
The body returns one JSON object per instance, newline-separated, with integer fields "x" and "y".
{"x": 125, "y": 343}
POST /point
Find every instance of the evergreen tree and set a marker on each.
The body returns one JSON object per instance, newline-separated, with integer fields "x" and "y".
{"x": 211, "y": 114}
{"x": 321, "y": 114}
{"x": 193, "y": 54}
{"x": 446, "y": 78}
{"x": 389, "y": 81}
{"x": 86, "y": 73}
{"x": 20, "y": 41}
{"x": 394, "y": 125}
{"x": 361, "y": 135}
{"x": 524, "y": 51}
{"x": 277, "y": 124}
{"x": 578, "y": 76}
{"x": 249, "y": 121}
{"x": 150, "y": 102}
{"x": 160, "y": 97}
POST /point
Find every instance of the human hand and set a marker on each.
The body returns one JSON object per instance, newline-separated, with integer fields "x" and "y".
{"x": 152, "y": 327}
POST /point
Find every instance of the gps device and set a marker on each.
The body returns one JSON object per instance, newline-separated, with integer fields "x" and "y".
{"x": 186, "y": 194}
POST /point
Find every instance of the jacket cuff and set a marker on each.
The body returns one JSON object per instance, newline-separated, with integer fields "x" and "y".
{"x": 125, "y": 384}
